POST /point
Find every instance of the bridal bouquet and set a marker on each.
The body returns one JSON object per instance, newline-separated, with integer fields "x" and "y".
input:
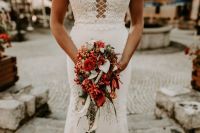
{"x": 96, "y": 73}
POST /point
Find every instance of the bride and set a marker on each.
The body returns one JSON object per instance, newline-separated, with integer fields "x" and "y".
{"x": 99, "y": 20}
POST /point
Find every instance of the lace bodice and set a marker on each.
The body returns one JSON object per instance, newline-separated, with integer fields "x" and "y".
{"x": 99, "y": 12}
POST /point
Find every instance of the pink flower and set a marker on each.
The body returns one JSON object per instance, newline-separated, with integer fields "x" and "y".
{"x": 100, "y": 44}
{"x": 113, "y": 95}
{"x": 86, "y": 84}
{"x": 114, "y": 84}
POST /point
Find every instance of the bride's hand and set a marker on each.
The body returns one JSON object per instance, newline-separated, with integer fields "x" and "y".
{"x": 122, "y": 64}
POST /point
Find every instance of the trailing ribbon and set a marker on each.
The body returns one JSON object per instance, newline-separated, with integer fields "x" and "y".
{"x": 84, "y": 110}
{"x": 95, "y": 125}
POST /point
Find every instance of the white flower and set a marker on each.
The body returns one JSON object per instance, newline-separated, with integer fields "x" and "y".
{"x": 82, "y": 60}
{"x": 102, "y": 50}
{"x": 108, "y": 88}
{"x": 105, "y": 67}
{"x": 90, "y": 44}
{"x": 115, "y": 68}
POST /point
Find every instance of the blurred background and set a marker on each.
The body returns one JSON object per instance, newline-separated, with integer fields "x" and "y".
{"x": 34, "y": 90}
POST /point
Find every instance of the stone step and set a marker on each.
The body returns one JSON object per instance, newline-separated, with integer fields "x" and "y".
{"x": 147, "y": 123}
{"x": 160, "y": 130}
{"x": 43, "y": 125}
{"x": 19, "y": 105}
{"x": 180, "y": 104}
{"x": 140, "y": 123}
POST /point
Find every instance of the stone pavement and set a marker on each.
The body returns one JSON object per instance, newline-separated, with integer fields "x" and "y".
{"x": 142, "y": 123}
{"x": 42, "y": 63}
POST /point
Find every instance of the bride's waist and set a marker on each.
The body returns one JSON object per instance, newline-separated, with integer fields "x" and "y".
{"x": 99, "y": 26}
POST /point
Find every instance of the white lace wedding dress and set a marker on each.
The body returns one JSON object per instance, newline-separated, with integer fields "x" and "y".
{"x": 99, "y": 20}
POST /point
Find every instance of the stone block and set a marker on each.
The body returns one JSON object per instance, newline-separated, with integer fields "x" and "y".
{"x": 160, "y": 113}
{"x": 43, "y": 125}
{"x": 187, "y": 113}
{"x": 6, "y": 131}
{"x": 161, "y": 130}
{"x": 42, "y": 96}
{"x": 27, "y": 128}
{"x": 148, "y": 124}
{"x": 152, "y": 130}
{"x": 175, "y": 129}
{"x": 12, "y": 112}
{"x": 29, "y": 102}
{"x": 167, "y": 97}
{"x": 6, "y": 95}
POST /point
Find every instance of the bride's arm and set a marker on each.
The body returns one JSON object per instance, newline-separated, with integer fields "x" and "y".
{"x": 136, "y": 11}
{"x": 59, "y": 9}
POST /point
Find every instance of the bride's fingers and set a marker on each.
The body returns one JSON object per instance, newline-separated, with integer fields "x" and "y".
{"x": 121, "y": 66}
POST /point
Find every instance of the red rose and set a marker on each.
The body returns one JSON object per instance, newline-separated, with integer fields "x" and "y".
{"x": 89, "y": 64}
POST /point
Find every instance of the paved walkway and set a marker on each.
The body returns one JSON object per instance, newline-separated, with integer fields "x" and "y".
{"x": 41, "y": 62}
{"x": 145, "y": 123}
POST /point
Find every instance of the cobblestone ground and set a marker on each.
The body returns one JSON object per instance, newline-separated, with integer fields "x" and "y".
{"x": 141, "y": 123}
{"x": 42, "y": 63}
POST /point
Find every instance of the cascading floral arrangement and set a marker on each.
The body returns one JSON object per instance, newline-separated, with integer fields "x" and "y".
{"x": 4, "y": 43}
{"x": 96, "y": 73}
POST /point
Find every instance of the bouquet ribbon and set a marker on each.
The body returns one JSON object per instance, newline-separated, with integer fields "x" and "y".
{"x": 83, "y": 112}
